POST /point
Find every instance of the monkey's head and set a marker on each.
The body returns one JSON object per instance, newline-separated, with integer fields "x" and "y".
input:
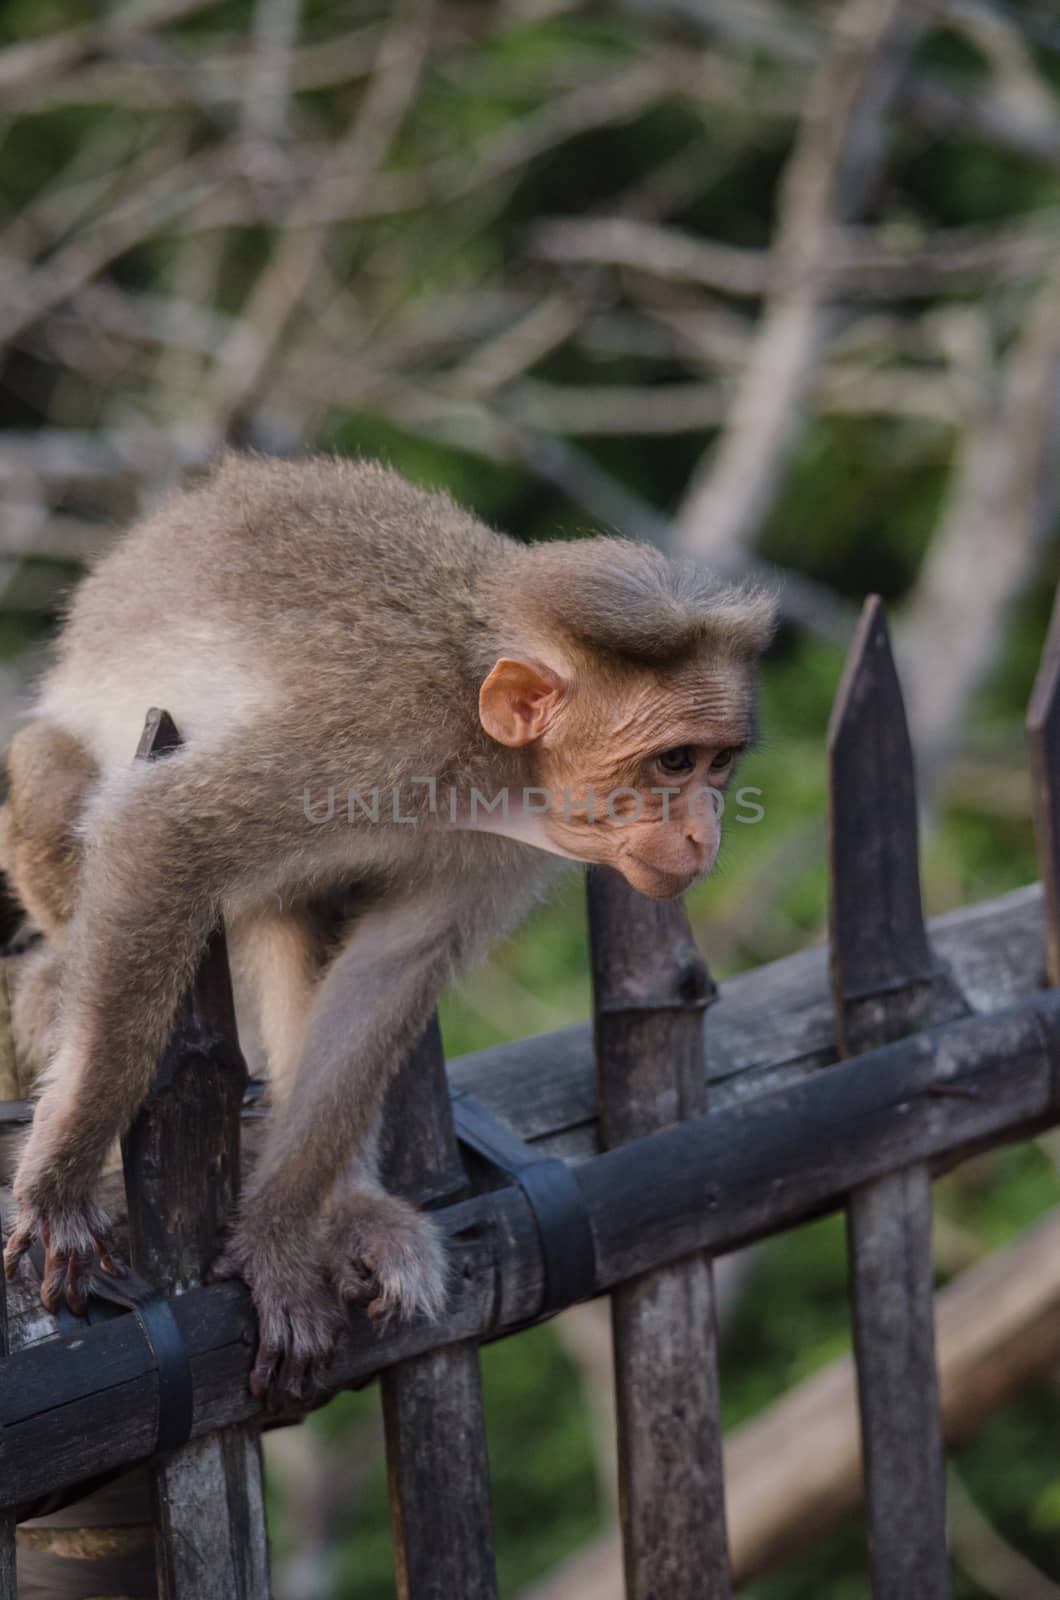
{"x": 630, "y": 687}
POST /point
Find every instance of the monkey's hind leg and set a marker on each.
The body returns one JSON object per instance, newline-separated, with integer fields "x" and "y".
{"x": 304, "y": 1247}
{"x": 50, "y": 774}
{"x": 277, "y": 961}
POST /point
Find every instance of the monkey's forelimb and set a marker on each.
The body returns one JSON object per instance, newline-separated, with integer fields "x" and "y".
{"x": 157, "y": 863}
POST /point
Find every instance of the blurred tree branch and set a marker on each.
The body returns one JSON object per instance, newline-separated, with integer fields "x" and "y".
{"x": 833, "y": 164}
{"x": 1002, "y": 502}
{"x": 268, "y": 226}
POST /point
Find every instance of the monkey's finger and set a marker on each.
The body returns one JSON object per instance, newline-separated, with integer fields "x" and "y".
{"x": 290, "y": 1378}
{"x": 300, "y": 1373}
{"x": 110, "y": 1261}
{"x": 261, "y": 1374}
{"x": 380, "y": 1312}
{"x": 53, "y": 1282}
{"x": 17, "y": 1245}
{"x": 357, "y": 1284}
{"x": 75, "y": 1292}
{"x": 385, "y": 1302}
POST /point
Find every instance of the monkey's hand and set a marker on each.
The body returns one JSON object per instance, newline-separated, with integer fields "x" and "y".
{"x": 299, "y": 1318}
{"x": 76, "y": 1238}
{"x": 383, "y": 1253}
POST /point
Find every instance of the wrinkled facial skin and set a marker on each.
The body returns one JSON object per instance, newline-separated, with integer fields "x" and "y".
{"x": 679, "y": 736}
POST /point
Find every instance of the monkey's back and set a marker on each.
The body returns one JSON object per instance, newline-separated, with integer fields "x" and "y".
{"x": 271, "y": 583}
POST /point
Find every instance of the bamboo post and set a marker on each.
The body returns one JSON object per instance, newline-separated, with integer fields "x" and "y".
{"x": 886, "y": 983}
{"x": 181, "y": 1159}
{"x": 432, "y": 1404}
{"x": 650, "y": 988}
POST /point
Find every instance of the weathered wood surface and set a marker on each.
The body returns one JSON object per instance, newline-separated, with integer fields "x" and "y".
{"x": 892, "y": 1289}
{"x": 72, "y": 1407}
{"x": 886, "y": 983}
{"x": 209, "y": 1511}
{"x": 435, "y": 1427}
{"x": 182, "y": 1167}
{"x": 650, "y": 988}
{"x": 886, "y": 979}
{"x": 182, "y": 1153}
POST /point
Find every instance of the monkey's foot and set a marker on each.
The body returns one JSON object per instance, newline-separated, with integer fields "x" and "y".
{"x": 76, "y": 1241}
{"x": 299, "y": 1320}
{"x": 383, "y": 1253}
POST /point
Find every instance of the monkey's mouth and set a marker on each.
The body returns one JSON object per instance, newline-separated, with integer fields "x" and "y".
{"x": 656, "y": 881}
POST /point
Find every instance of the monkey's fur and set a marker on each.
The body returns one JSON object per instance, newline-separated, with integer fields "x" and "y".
{"x": 325, "y": 624}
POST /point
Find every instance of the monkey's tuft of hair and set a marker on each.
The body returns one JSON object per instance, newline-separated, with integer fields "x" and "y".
{"x": 634, "y": 602}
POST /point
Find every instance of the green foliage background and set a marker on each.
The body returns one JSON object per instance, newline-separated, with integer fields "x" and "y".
{"x": 856, "y": 514}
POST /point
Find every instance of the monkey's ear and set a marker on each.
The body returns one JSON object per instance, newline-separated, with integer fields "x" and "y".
{"x": 518, "y": 701}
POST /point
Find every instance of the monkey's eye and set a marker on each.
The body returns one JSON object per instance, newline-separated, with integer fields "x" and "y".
{"x": 682, "y": 759}
{"x": 724, "y": 758}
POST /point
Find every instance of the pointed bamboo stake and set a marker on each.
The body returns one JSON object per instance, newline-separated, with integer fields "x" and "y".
{"x": 887, "y": 983}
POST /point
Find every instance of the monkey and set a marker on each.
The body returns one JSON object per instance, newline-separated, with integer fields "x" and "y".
{"x": 398, "y": 725}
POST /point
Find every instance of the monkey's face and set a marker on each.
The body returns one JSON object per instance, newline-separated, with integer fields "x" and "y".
{"x": 650, "y": 809}
{"x": 631, "y": 768}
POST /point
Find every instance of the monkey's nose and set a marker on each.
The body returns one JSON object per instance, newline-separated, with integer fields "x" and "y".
{"x": 704, "y": 843}
{"x": 699, "y": 832}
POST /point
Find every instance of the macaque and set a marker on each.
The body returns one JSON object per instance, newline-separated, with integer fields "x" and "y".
{"x": 383, "y": 703}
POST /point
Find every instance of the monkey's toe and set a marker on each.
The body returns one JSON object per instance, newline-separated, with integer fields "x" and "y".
{"x": 387, "y": 1256}
{"x": 383, "y": 1297}
{"x": 294, "y": 1349}
{"x": 76, "y": 1241}
{"x": 19, "y": 1242}
{"x": 65, "y": 1281}
{"x": 299, "y": 1320}
{"x": 356, "y": 1281}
